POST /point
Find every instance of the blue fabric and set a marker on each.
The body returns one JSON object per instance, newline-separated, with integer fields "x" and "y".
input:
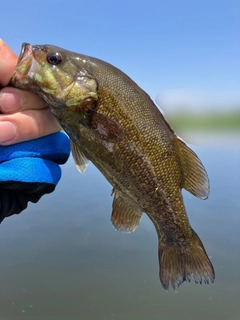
{"x": 30, "y": 169}
{"x": 35, "y": 160}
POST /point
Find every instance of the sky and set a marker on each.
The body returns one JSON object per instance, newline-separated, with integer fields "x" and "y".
{"x": 181, "y": 52}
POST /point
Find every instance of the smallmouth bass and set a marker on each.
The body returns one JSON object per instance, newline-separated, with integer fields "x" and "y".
{"x": 113, "y": 123}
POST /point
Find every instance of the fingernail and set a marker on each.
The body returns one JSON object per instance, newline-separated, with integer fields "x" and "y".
{"x": 8, "y": 131}
{"x": 10, "y": 102}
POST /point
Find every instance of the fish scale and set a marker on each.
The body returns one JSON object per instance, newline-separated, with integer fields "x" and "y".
{"x": 113, "y": 123}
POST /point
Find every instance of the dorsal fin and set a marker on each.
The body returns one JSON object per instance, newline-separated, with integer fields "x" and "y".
{"x": 80, "y": 159}
{"x": 195, "y": 178}
{"x": 125, "y": 214}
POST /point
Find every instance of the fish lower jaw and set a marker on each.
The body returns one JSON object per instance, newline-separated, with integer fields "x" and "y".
{"x": 33, "y": 69}
{"x": 24, "y": 74}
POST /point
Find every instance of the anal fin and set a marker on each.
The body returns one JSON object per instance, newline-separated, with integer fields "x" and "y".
{"x": 126, "y": 215}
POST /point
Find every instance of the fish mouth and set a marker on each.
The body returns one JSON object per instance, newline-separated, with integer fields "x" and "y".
{"x": 25, "y": 64}
{"x": 26, "y": 51}
{"x": 24, "y": 59}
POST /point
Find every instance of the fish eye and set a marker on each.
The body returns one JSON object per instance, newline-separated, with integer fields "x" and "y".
{"x": 54, "y": 58}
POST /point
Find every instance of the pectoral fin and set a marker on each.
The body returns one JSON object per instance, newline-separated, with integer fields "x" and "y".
{"x": 125, "y": 214}
{"x": 88, "y": 115}
{"x": 80, "y": 159}
{"x": 194, "y": 175}
{"x": 105, "y": 127}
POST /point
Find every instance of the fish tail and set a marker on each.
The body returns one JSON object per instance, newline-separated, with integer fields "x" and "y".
{"x": 179, "y": 264}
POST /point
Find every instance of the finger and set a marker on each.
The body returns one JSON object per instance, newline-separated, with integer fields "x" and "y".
{"x": 14, "y": 100}
{"x": 26, "y": 125}
{"x": 8, "y": 61}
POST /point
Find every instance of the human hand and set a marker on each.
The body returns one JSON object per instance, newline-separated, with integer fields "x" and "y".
{"x": 25, "y": 115}
{"x": 29, "y": 154}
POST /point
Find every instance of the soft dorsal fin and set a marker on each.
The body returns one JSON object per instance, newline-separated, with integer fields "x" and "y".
{"x": 80, "y": 159}
{"x": 126, "y": 215}
{"x": 195, "y": 178}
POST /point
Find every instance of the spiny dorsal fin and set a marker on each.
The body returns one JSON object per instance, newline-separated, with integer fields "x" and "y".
{"x": 195, "y": 178}
{"x": 80, "y": 159}
{"x": 125, "y": 214}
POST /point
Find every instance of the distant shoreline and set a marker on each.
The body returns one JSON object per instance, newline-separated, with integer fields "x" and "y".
{"x": 209, "y": 137}
{"x": 208, "y": 121}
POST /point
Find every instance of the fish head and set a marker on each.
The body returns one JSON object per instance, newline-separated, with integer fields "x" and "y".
{"x": 57, "y": 75}
{"x": 64, "y": 80}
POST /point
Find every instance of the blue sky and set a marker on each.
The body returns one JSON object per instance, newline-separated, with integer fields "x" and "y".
{"x": 178, "y": 50}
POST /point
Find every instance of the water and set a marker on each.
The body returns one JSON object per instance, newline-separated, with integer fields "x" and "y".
{"x": 62, "y": 259}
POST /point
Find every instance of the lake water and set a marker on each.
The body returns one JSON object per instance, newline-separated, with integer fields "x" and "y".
{"x": 62, "y": 259}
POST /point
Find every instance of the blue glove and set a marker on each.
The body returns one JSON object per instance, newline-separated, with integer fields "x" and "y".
{"x": 30, "y": 169}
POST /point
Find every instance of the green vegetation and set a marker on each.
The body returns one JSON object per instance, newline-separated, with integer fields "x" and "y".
{"x": 207, "y": 121}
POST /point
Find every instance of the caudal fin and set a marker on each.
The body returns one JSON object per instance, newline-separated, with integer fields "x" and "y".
{"x": 181, "y": 264}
